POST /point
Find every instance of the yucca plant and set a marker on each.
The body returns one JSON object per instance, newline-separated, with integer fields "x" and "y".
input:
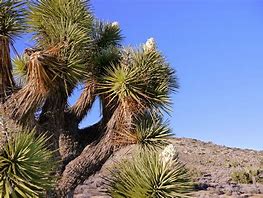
{"x": 71, "y": 48}
{"x": 26, "y": 166}
{"x": 149, "y": 175}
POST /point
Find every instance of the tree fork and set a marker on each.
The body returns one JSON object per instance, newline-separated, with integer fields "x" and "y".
{"x": 80, "y": 138}
{"x": 85, "y": 101}
{"x": 87, "y": 163}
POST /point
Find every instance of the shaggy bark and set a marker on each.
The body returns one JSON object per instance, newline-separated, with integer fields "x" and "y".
{"x": 6, "y": 78}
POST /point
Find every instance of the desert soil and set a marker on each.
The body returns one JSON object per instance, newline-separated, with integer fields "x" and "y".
{"x": 210, "y": 166}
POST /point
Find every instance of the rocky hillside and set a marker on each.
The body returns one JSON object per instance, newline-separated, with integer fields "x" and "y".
{"x": 218, "y": 171}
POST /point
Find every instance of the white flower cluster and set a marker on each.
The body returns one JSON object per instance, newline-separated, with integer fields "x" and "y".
{"x": 168, "y": 154}
{"x": 149, "y": 45}
{"x": 115, "y": 24}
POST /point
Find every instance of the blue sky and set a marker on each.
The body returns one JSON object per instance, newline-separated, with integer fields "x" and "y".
{"x": 216, "y": 46}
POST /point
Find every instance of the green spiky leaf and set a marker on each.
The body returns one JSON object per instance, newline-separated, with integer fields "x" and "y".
{"x": 20, "y": 70}
{"x": 12, "y": 18}
{"x": 106, "y": 34}
{"x": 26, "y": 166}
{"x": 143, "y": 76}
{"x": 63, "y": 29}
{"x": 145, "y": 175}
{"x": 151, "y": 133}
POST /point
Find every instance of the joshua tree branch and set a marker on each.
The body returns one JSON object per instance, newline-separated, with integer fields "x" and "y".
{"x": 85, "y": 101}
{"x": 91, "y": 158}
{"x": 6, "y": 77}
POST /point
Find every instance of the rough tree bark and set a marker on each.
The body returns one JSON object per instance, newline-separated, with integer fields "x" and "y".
{"x": 82, "y": 152}
{"x": 6, "y": 78}
{"x": 88, "y": 162}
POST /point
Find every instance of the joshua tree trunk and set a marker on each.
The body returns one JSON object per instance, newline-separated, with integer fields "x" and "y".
{"x": 89, "y": 161}
{"x": 82, "y": 152}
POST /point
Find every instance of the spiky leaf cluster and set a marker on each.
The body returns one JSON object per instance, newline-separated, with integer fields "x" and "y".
{"x": 20, "y": 70}
{"x": 60, "y": 59}
{"x": 12, "y": 18}
{"x": 55, "y": 21}
{"x": 142, "y": 77}
{"x": 106, "y": 34}
{"x": 106, "y": 41}
{"x": 62, "y": 29}
{"x": 145, "y": 175}
{"x": 25, "y": 166}
{"x": 151, "y": 133}
{"x": 141, "y": 81}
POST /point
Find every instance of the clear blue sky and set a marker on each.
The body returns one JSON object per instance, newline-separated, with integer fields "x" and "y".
{"x": 216, "y": 46}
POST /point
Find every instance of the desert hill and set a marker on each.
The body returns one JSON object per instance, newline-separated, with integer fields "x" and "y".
{"x": 218, "y": 171}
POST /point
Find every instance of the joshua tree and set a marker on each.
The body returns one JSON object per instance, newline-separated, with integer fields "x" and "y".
{"x": 72, "y": 48}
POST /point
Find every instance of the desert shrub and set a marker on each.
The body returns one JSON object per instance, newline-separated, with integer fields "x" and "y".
{"x": 152, "y": 133}
{"x": 234, "y": 164}
{"x": 246, "y": 176}
{"x": 25, "y": 166}
{"x": 242, "y": 177}
{"x": 149, "y": 174}
{"x": 195, "y": 173}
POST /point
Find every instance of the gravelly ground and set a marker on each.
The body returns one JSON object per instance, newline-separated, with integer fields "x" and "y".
{"x": 211, "y": 167}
